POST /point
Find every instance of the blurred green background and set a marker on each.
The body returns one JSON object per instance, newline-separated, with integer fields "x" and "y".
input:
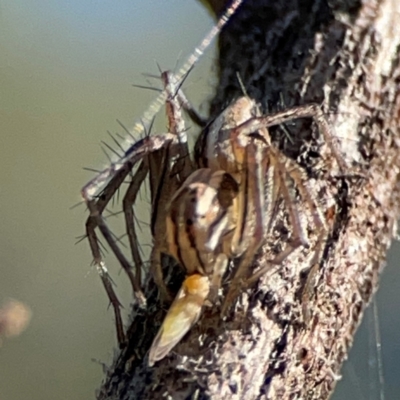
{"x": 66, "y": 74}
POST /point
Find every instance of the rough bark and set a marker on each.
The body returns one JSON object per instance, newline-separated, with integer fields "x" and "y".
{"x": 344, "y": 55}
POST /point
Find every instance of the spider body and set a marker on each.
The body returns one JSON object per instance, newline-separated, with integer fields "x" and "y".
{"x": 199, "y": 217}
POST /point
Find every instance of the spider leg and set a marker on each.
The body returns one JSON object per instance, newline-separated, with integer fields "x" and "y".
{"x": 295, "y": 172}
{"x": 191, "y": 111}
{"x": 306, "y": 111}
{"x": 299, "y": 177}
{"x": 252, "y": 213}
{"x": 285, "y": 166}
{"x": 176, "y": 123}
{"x": 157, "y": 150}
{"x": 297, "y": 238}
{"x": 255, "y": 217}
{"x": 175, "y": 90}
{"x": 102, "y": 270}
{"x": 219, "y": 268}
{"x": 112, "y": 178}
{"x": 95, "y": 220}
{"x": 279, "y": 187}
{"x": 169, "y": 168}
{"x": 127, "y": 205}
{"x": 162, "y": 184}
{"x": 321, "y": 226}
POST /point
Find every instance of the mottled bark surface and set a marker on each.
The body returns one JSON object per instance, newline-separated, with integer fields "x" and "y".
{"x": 344, "y": 55}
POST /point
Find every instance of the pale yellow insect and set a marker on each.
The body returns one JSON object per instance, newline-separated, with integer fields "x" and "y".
{"x": 182, "y": 315}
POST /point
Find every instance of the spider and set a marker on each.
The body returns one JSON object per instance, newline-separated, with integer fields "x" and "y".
{"x": 236, "y": 143}
{"x": 222, "y": 212}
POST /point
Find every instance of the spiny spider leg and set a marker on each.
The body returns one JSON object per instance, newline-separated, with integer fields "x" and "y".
{"x": 168, "y": 169}
{"x": 288, "y": 167}
{"x": 253, "y": 211}
{"x": 307, "y": 111}
{"x": 127, "y": 206}
{"x": 161, "y": 183}
{"x": 95, "y": 219}
{"x": 183, "y": 166}
{"x": 291, "y": 169}
{"x": 276, "y": 187}
{"x": 234, "y": 134}
{"x": 256, "y": 210}
{"x": 167, "y": 159}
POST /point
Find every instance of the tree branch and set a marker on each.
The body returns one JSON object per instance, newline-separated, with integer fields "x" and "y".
{"x": 344, "y": 55}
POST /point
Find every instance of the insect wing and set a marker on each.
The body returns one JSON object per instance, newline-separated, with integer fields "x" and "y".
{"x": 182, "y": 315}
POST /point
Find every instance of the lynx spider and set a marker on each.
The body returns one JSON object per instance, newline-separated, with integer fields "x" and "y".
{"x": 238, "y": 143}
